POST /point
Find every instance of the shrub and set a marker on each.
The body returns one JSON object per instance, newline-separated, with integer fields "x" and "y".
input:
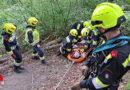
{"x": 55, "y": 16}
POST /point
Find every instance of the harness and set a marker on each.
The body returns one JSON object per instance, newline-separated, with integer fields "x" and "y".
{"x": 109, "y": 45}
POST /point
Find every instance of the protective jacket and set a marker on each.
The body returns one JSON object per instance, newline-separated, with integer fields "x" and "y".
{"x": 92, "y": 37}
{"x": 78, "y": 26}
{"x": 9, "y": 42}
{"x": 113, "y": 61}
{"x": 68, "y": 42}
{"x": 32, "y": 35}
{"x": 12, "y": 47}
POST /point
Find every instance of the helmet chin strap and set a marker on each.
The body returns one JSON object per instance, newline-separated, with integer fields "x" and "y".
{"x": 101, "y": 35}
{"x": 110, "y": 29}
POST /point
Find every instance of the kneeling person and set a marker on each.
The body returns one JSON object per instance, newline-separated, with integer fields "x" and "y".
{"x": 68, "y": 42}
{"x": 91, "y": 37}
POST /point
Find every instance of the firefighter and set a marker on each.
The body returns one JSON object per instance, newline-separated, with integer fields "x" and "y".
{"x": 68, "y": 42}
{"x": 112, "y": 57}
{"x": 79, "y": 26}
{"x": 91, "y": 37}
{"x": 11, "y": 46}
{"x": 32, "y": 36}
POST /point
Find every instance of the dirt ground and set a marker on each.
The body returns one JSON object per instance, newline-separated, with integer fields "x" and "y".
{"x": 40, "y": 77}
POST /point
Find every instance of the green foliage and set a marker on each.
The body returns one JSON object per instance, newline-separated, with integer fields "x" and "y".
{"x": 127, "y": 86}
{"x": 55, "y": 16}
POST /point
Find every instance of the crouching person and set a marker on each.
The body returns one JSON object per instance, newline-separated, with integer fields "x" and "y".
{"x": 91, "y": 37}
{"x": 11, "y": 46}
{"x": 68, "y": 42}
{"x": 111, "y": 59}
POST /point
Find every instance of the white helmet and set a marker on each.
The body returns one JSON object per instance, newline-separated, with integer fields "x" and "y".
{"x": 76, "y": 55}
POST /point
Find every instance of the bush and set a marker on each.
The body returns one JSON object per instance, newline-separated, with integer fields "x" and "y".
{"x": 55, "y": 16}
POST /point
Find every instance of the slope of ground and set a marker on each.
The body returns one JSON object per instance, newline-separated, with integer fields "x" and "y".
{"x": 41, "y": 77}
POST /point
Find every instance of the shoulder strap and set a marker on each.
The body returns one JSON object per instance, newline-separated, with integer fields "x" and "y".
{"x": 109, "y": 45}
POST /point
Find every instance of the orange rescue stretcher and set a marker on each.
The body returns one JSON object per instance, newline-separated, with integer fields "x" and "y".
{"x": 81, "y": 50}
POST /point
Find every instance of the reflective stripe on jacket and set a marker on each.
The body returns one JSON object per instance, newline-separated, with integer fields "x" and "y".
{"x": 32, "y": 35}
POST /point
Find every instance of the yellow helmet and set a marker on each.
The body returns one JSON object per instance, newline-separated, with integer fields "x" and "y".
{"x": 86, "y": 24}
{"x": 85, "y": 32}
{"x": 73, "y": 32}
{"x": 32, "y": 21}
{"x": 91, "y": 27}
{"x": 107, "y": 15}
{"x": 9, "y": 28}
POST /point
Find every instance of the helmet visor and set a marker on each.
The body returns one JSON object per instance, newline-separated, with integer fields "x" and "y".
{"x": 96, "y": 22}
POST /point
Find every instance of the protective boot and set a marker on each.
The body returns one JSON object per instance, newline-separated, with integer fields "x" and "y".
{"x": 21, "y": 68}
{"x": 44, "y": 62}
{"x": 16, "y": 69}
{"x": 35, "y": 57}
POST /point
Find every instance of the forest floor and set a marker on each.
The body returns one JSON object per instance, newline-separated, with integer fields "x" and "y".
{"x": 41, "y": 77}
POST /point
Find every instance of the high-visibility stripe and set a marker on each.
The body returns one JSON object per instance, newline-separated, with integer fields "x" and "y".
{"x": 88, "y": 41}
{"x": 42, "y": 58}
{"x": 11, "y": 38}
{"x": 32, "y": 43}
{"x": 103, "y": 41}
{"x": 107, "y": 58}
{"x": 94, "y": 42}
{"x": 68, "y": 50}
{"x": 98, "y": 84}
{"x": 126, "y": 62}
{"x": 17, "y": 64}
{"x": 67, "y": 38}
{"x": 1, "y": 56}
{"x": 75, "y": 40}
{"x": 34, "y": 54}
{"x": 78, "y": 26}
{"x": 79, "y": 36}
{"x": 10, "y": 52}
{"x": 74, "y": 49}
{"x": 95, "y": 33}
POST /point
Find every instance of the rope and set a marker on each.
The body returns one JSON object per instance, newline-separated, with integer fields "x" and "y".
{"x": 58, "y": 84}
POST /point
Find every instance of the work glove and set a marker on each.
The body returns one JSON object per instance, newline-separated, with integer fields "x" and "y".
{"x": 76, "y": 86}
{"x": 13, "y": 55}
{"x": 38, "y": 45}
{"x": 85, "y": 71}
{"x": 40, "y": 41}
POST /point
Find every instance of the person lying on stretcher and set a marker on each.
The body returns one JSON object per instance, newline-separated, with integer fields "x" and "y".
{"x": 78, "y": 51}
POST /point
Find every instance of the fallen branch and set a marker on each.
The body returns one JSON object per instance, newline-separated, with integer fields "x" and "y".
{"x": 52, "y": 46}
{"x": 49, "y": 46}
{"x": 53, "y": 42}
{"x": 2, "y": 60}
{"x": 4, "y": 68}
